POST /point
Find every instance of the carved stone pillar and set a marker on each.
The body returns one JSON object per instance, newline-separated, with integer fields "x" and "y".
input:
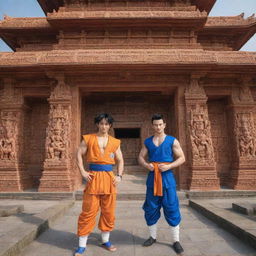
{"x": 57, "y": 164}
{"x": 13, "y": 176}
{"x": 201, "y": 154}
{"x": 243, "y": 173}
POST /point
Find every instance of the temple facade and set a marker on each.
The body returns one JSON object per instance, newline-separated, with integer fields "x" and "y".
{"x": 131, "y": 59}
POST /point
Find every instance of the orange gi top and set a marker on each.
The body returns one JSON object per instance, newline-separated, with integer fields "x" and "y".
{"x": 102, "y": 181}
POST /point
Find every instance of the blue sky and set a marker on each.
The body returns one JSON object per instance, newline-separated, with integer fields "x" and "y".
{"x": 30, "y": 8}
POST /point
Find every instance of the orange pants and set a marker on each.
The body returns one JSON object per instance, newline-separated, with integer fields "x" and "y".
{"x": 91, "y": 205}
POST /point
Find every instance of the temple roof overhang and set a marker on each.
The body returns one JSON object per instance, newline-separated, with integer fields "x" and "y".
{"x": 71, "y": 19}
{"x": 24, "y": 23}
{"x": 12, "y": 29}
{"x": 127, "y": 18}
{"x": 234, "y": 27}
{"x": 51, "y": 5}
{"x": 171, "y": 59}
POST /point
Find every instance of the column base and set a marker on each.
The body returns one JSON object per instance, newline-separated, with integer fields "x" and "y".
{"x": 13, "y": 178}
{"x": 244, "y": 180}
{"x": 204, "y": 179}
{"x": 55, "y": 178}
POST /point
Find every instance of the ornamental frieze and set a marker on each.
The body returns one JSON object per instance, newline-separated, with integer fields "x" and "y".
{"x": 126, "y": 14}
{"x": 142, "y": 56}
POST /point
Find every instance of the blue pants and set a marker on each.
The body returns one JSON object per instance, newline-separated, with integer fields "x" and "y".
{"x": 170, "y": 203}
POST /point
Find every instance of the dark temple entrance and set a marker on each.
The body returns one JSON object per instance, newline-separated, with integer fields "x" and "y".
{"x": 130, "y": 138}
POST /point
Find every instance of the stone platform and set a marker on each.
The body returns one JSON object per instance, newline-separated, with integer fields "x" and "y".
{"x": 199, "y": 236}
{"x": 50, "y": 225}
{"x": 132, "y": 187}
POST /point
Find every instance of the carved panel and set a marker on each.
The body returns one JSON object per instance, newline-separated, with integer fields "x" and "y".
{"x": 245, "y": 135}
{"x": 58, "y": 132}
{"x": 9, "y": 132}
{"x": 200, "y": 135}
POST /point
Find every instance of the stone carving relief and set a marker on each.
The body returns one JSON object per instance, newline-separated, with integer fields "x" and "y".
{"x": 58, "y": 132}
{"x": 245, "y": 134}
{"x": 245, "y": 94}
{"x": 242, "y": 94}
{"x": 200, "y": 135}
{"x": 8, "y": 138}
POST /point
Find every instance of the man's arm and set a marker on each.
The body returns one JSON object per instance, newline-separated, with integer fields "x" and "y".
{"x": 79, "y": 157}
{"x": 179, "y": 155}
{"x": 120, "y": 165}
{"x": 142, "y": 159}
{"x": 120, "y": 161}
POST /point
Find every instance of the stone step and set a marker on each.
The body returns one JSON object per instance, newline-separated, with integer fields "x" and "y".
{"x": 241, "y": 227}
{"x": 37, "y": 195}
{"x": 222, "y": 193}
{"x": 13, "y": 241}
{"x": 244, "y": 208}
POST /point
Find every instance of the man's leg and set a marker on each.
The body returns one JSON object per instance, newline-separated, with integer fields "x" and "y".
{"x": 107, "y": 219}
{"x": 86, "y": 220}
{"x": 172, "y": 216}
{"x": 151, "y": 207}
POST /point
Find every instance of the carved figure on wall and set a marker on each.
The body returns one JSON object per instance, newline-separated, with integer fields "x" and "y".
{"x": 245, "y": 94}
{"x": 58, "y": 130}
{"x": 8, "y": 149}
{"x": 245, "y": 134}
{"x": 56, "y": 147}
{"x": 8, "y": 131}
{"x": 200, "y": 134}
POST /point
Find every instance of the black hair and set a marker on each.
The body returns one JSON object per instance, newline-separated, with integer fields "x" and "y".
{"x": 106, "y": 116}
{"x": 157, "y": 117}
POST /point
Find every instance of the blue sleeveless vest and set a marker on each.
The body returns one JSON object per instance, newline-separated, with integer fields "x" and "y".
{"x": 162, "y": 153}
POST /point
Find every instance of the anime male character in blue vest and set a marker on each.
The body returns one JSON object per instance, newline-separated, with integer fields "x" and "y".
{"x": 164, "y": 153}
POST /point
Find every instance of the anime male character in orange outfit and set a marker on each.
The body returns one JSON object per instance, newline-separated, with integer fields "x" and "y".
{"x": 101, "y": 151}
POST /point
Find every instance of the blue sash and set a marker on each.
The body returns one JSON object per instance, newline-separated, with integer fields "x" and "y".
{"x": 101, "y": 167}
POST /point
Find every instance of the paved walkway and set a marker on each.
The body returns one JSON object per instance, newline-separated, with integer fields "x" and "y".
{"x": 199, "y": 236}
